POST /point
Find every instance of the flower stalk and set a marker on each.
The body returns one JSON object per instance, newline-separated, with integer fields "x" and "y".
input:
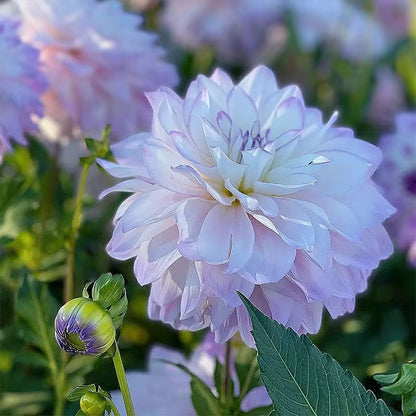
{"x": 122, "y": 381}
{"x": 76, "y": 223}
{"x": 226, "y": 393}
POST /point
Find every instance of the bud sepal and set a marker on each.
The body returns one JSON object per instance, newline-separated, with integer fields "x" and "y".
{"x": 108, "y": 290}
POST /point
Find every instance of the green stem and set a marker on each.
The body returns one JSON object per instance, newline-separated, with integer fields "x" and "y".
{"x": 226, "y": 393}
{"x": 76, "y": 223}
{"x": 122, "y": 381}
{"x": 114, "y": 409}
{"x": 248, "y": 379}
{"x": 59, "y": 405}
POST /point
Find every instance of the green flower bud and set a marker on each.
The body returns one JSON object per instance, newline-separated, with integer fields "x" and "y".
{"x": 83, "y": 326}
{"x": 108, "y": 290}
{"x": 93, "y": 404}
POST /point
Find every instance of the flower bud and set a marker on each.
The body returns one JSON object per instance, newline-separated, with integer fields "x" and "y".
{"x": 108, "y": 290}
{"x": 83, "y": 326}
{"x": 93, "y": 404}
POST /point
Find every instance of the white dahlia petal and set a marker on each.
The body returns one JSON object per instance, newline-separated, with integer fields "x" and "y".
{"x": 243, "y": 188}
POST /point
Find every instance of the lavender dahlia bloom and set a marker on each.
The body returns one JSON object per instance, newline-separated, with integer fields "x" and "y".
{"x": 99, "y": 64}
{"x": 176, "y": 401}
{"x": 83, "y": 326}
{"x": 397, "y": 176}
{"x": 242, "y": 187}
{"x": 235, "y": 29}
{"x": 21, "y": 84}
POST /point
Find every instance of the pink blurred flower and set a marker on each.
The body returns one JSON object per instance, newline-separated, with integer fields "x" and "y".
{"x": 235, "y": 29}
{"x": 176, "y": 401}
{"x": 397, "y": 177}
{"x": 387, "y": 99}
{"x": 99, "y": 64}
{"x": 21, "y": 85}
{"x": 242, "y": 187}
{"x": 395, "y": 16}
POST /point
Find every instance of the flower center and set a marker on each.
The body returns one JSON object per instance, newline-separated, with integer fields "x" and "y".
{"x": 253, "y": 142}
{"x": 74, "y": 341}
{"x": 409, "y": 182}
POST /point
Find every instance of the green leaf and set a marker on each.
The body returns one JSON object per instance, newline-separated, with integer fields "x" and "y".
{"x": 204, "y": 401}
{"x": 402, "y": 383}
{"x": 259, "y": 411}
{"x": 301, "y": 380}
{"x": 385, "y": 378}
{"x": 36, "y": 311}
{"x": 217, "y": 375}
{"x": 77, "y": 392}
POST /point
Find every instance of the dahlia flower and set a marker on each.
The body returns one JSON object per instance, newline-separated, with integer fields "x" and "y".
{"x": 244, "y": 188}
{"x": 21, "y": 84}
{"x": 356, "y": 34}
{"x": 99, "y": 64}
{"x": 397, "y": 177}
{"x": 235, "y": 29}
{"x": 145, "y": 386}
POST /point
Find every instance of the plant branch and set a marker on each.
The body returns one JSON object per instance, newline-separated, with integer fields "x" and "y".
{"x": 76, "y": 223}
{"x": 122, "y": 381}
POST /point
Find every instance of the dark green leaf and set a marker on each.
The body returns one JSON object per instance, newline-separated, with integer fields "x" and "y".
{"x": 259, "y": 411}
{"x": 402, "y": 383}
{"x": 386, "y": 378}
{"x": 217, "y": 375}
{"x": 36, "y": 311}
{"x": 301, "y": 380}
{"x": 77, "y": 392}
{"x": 204, "y": 401}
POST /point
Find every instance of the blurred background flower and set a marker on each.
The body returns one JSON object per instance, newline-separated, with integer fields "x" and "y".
{"x": 341, "y": 26}
{"x": 387, "y": 99}
{"x": 98, "y": 62}
{"x": 397, "y": 177}
{"x": 21, "y": 84}
{"x": 234, "y": 29}
{"x": 176, "y": 401}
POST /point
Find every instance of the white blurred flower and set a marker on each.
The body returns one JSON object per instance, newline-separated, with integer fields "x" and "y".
{"x": 98, "y": 62}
